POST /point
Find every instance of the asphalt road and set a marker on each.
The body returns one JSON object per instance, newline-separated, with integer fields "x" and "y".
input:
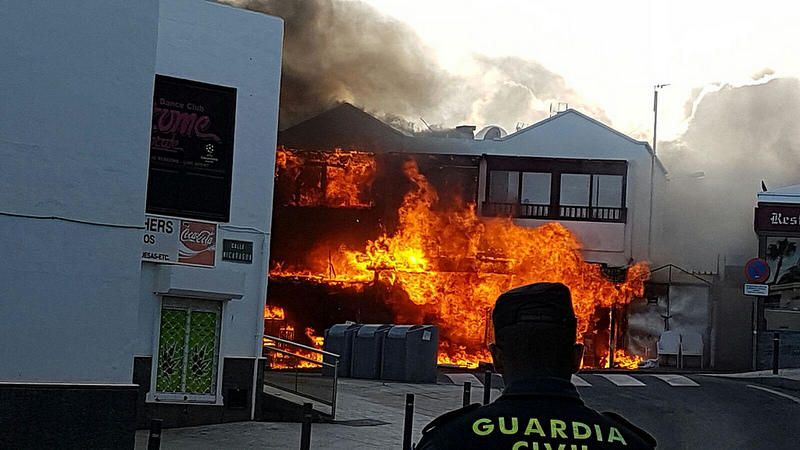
{"x": 716, "y": 414}
{"x": 681, "y": 411}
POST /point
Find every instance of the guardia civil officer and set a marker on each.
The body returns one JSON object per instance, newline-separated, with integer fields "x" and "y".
{"x": 540, "y": 409}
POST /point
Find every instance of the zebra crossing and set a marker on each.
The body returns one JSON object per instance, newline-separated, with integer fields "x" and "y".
{"x": 590, "y": 380}
{"x": 625, "y": 380}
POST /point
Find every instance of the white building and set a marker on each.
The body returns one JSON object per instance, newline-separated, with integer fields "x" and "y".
{"x": 87, "y": 295}
{"x": 601, "y": 184}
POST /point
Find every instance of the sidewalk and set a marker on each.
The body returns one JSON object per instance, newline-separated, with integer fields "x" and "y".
{"x": 786, "y": 378}
{"x": 370, "y": 416}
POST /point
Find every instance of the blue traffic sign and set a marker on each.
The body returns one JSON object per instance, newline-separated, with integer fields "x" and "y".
{"x": 756, "y": 270}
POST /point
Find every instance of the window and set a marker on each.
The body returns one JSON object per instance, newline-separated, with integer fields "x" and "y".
{"x": 595, "y": 196}
{"x": 555, "y": 189}
{"x": 503, "y": 186}
{"x": 188, "y": 350}
{"x": 535, "y": 188}
{"x": 607, "y": 191}
{"x": 575, "y": 189}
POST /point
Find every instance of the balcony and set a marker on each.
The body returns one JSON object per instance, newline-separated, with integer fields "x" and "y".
{"x": 546, "y": 212}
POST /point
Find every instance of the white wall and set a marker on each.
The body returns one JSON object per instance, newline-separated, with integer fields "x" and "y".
{"x": 76, "y": 89}
{"x": 217, "y": 44}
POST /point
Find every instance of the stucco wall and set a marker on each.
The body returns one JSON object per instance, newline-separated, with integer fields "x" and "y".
{"x": 76, "y": 91}
{"x": 217, "y": 44}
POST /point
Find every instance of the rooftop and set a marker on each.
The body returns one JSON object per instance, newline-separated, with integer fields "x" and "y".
{"x": 786, "y": 194}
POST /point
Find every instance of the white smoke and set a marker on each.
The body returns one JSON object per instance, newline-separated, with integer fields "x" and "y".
{"x": 736, "y": 136}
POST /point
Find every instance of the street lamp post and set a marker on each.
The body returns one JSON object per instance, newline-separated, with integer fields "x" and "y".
{"x": 655, "y": 112}
{"x": 653, "y": 167}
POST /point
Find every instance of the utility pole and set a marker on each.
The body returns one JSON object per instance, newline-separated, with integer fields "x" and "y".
{"x": 655, "y": 113}
{"x": 653, "y": 167}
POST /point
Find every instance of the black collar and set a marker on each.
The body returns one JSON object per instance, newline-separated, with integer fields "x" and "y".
{"x": 542, "y": 387}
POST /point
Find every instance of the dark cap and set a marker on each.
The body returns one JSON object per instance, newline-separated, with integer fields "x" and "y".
{"x": 548, "y": 304}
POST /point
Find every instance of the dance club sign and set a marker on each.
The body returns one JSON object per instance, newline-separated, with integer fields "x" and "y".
{"x": 191, "y": 149}
{"x": 169, "y": 240}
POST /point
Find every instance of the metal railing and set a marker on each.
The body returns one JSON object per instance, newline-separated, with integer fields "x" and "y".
{"x": 301, "y": 370}
{"x": 532, "y": 211}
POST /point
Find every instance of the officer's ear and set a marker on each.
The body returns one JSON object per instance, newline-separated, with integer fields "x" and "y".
{"x": 497, "y": 357}
{"x": 577, "y": 357}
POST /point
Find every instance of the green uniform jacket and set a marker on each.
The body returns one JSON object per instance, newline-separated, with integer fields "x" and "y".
{"x": 535, "y": 414}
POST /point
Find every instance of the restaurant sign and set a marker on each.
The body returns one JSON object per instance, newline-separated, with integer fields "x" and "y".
{"x": 170, "y": 240}
{"x": 781, "y": 218}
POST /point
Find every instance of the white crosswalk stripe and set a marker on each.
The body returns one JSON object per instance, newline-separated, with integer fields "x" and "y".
{"x": 622, "y": 380}
{"x": 578, "y": 381}
{"x": 590, "y": 379}
{"x": 675, "y": 380}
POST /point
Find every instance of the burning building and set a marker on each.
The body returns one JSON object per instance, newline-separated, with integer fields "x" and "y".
{"x": 375, "y": 225}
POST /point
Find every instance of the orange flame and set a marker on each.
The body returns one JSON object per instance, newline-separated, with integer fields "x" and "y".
{"x": 451, "y": 266}
{"x": 274, "y": 313}
{"x": 622, "y": 360}
{"x": 316, "y": 340}
{"x": 340, "y": 180}
{"x": 290, "y": 360}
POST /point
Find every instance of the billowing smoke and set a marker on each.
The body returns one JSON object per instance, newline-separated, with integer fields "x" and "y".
{"x": 512, "y": 89}
{"x": 737, "y": 137}
{"x": 338, "y": 50}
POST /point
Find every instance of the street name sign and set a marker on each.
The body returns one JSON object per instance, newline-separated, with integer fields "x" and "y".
{"x": 759, "y": 290}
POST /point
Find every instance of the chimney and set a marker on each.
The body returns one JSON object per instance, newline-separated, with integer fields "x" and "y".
{"x": 466, "y": 131}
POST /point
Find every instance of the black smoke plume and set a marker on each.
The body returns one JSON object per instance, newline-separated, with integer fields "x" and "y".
{"x": 348, "y": 51}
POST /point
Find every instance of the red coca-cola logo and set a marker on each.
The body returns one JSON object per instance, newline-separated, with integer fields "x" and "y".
{"x": 197, "y": 243}
{"x": 198, "y": 236}
{"x": 204, "y": 237}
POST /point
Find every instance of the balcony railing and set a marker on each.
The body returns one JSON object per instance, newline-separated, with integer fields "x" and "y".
{"x": 532, "y": 211}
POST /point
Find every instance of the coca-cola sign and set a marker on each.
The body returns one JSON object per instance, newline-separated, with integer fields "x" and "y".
{"x": 170, "y": 240}
{"x": 197, "y": 243}
{"x": 191, "y": 149}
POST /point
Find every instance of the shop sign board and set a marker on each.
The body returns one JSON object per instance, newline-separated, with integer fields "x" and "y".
{"x": 777, "y": 218}
{"x": 758, "y": 290}
{"x": 191, "y": 149}
{"x": 170, "y": 240}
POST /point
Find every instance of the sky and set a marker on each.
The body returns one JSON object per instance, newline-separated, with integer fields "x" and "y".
{"x": 612, "y": 53}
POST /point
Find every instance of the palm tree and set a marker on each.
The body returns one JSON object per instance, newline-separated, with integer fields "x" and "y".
{"x": 778, "y": 251}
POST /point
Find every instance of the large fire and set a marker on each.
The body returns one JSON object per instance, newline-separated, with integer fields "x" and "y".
{"x": 447, "y": 268}
{"x": 283, "y": 356}
{"x": 341, "y": 178}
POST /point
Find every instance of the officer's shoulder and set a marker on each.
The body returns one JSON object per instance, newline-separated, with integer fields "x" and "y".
{"x": 449, "y": 417}
{"x": 644, "y": 435}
